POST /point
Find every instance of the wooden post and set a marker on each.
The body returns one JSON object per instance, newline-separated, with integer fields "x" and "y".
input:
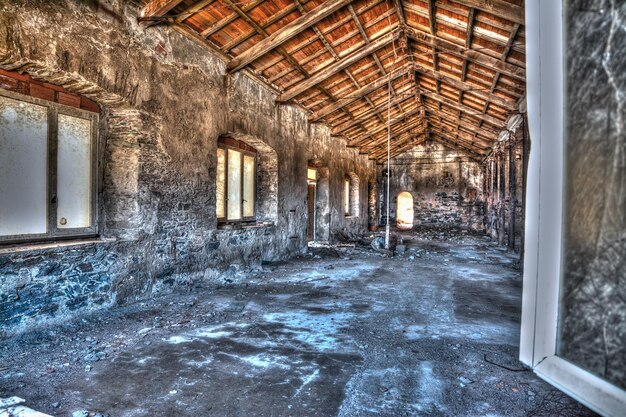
{"x": 512, "y": 192}
{"x": 501, "y": 198}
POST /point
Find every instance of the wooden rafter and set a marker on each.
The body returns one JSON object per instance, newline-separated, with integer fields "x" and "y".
{"x": 285, "y": 33}
{"x": 360, "y": 93}
{"x": 499, "y": 8}
{"x": 346, "y": 61}
{"x": 192, "y": 10}
{"x": 158, "y": 8}
{"x": 447, "y": 47}
{"x": 463, "y": 65}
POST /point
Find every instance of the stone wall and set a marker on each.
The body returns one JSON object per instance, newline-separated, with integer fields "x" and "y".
{"x": 446, "y": 187}
{"x": 504, "y": 189}
{"x": 164, "y": 102}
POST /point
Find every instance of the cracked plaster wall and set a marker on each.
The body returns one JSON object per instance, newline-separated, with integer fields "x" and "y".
{"x": 165, "y": 101}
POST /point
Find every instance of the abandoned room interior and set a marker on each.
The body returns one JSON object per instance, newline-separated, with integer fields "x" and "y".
{"x": 303, "y": 208}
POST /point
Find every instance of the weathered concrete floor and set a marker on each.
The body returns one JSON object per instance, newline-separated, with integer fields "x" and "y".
{"x": 431, "y": 333}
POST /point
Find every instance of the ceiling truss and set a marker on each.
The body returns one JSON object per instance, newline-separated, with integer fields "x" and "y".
{"x": 451, "y": 71}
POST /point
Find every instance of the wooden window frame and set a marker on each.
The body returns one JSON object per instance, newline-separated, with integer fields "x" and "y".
{"x": 54, "y": 233}
{"x": 227, "y": 143}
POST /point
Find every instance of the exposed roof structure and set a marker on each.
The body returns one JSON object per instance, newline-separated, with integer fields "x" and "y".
{"x": 448, "y": 70}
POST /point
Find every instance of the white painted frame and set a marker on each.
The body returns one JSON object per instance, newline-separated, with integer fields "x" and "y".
{"x": 544, "y": 216}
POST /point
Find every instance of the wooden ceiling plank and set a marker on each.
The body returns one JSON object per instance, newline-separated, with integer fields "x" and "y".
{"x": 500, "y": 8}
{"x": 400, "y": 12}
{"x": 358, "y": 94}
{"x": 369, "y": 147}
{"x": 366, "y": 114}
{"x": 158, "y": 8}
{"x": 400, "y": 147}
{"x": 265, "y": 24}
{"x": 377, "y": 141}
{"x": 447, "y": 140}
{"x": 466, "y": 87}
{"x": 382, "y": 127}
{"x": 192, "y": 10}
{"x": 332, "y": 69}
{"x": 471, "y": 54}
{"x": 285, "y": 33}
{"x": 465, "y": 109}
{"x": 228, "y": 20}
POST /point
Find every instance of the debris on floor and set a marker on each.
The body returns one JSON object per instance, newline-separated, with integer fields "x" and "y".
{"x": 342, "y": 332}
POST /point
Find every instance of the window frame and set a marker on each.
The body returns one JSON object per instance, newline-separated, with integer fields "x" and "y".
{"x": 544, "y": 218}
{"x": 227, "y": 143}
{"x": 53, "y": 232}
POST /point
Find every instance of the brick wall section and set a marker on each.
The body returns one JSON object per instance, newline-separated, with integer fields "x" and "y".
{"x": 25, "y": 84}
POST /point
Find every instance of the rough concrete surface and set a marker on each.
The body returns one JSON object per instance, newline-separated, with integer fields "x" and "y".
{"x": 341, "y": 332}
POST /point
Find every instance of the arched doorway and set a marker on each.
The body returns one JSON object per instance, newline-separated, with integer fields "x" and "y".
{"x": 404, "y": 219}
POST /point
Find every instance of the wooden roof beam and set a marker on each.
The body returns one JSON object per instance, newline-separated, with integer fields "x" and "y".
{"x": 400, "y": 147}
{"x": 446, "y": 46}
{"x": 465, "y": 109}
{"x": 382, "y": 127}
{"x": 285, "y": 33}
{"x": 360, "y": 93}
{"x": 158, "y": 8}
{"x": 369, "y": 113}
{"x": 383, "y": 142}
{"x": 193, "y": 9}
{"x": 228, "y": 20}
{"x": 451, "y": 143}
{"x": 489, "y": 133}
{"x": 466, "y": 87}
{"x": 500, "y": 8}
{"x": 332, "y": 69}
{"x": 400, "y": 12}
{"x": 459, "y": 140}
{"x": 381, "y": 136}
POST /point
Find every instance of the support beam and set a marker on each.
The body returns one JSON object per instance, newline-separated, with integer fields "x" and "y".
{"x": 382, "y": 127}
{"x": 285, "y": 33}
{"x": 193, "y": 9}
{"x": 448, "y": 47}
{"x": 362, "y": 117}
{"x": 468, "y": 110}
{"x": 466, "y": 87}
{"x": 332, "y": 69}
{"x": 158, "y": 8}
{"x": 359, "y": 94}
{"x": 401, "y": 147}
{"x": 446, "y": 141}
{"x": 512, "y": 193}
{"x": 486, "y": 132}
{"x": 228, "y": 20}
{"x": 377, "y": 140}
{"x": 381, "y": 142}
{"x": 500, "y": 8}
{"x": 400, "y": 12}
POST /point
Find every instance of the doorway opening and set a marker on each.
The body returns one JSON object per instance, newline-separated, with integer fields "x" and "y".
{"x": 404, "y": 219}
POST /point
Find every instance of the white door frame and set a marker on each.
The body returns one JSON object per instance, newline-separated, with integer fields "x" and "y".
{"x": 544, "y": 219}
